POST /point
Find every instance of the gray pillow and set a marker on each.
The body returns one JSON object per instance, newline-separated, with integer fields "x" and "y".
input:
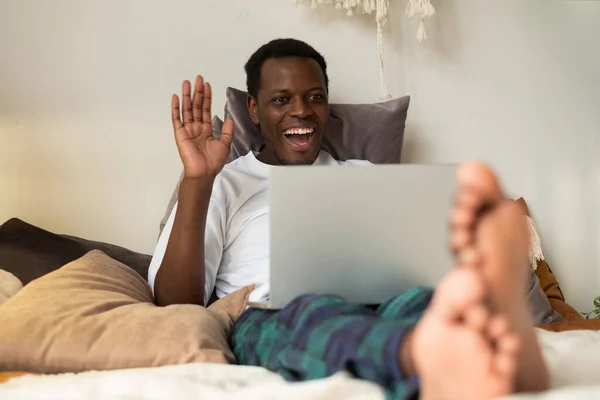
{"x": 372, "y": 132}
{"x": 538, "y": 303}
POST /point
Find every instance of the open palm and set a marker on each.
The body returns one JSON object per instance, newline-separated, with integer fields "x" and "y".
{"x": 201, "y": 153}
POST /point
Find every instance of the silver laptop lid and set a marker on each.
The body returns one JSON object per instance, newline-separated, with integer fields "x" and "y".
{"x": 366, "y": 233}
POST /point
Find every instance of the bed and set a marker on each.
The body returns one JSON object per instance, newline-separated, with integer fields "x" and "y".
{"x": 572, "y": 357}
{"x": 571, "y": 352}
{"x": 85, "y": 325}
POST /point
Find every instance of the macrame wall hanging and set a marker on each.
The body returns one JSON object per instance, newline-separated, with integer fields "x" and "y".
{"x": 417, "y": 9}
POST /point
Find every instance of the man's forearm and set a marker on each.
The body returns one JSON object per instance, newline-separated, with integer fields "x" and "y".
{"x": 180, "y": 278}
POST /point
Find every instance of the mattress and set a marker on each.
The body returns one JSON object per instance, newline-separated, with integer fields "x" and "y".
{"x": 573, "y": 358}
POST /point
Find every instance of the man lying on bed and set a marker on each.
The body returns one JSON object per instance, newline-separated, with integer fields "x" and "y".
{"x": 471, "y": 339}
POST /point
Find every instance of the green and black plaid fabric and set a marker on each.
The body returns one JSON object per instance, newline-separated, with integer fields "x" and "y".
{"x": 316, "y": 336}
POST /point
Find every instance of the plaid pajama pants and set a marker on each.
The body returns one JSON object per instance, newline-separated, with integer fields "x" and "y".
{"x": 316, "y": 336}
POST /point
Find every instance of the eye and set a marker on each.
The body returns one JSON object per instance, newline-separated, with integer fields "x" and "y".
{"x": 279, "y": 100}
{"x": 316, "y": 97}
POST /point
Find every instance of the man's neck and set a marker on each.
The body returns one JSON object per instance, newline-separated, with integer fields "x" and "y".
{"x": 268, "y": 157}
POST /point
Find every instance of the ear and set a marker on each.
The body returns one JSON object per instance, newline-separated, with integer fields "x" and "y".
{"x": 253, "y": 109}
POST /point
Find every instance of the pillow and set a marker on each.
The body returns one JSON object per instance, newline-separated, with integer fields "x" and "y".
{"x": 548, "y": 281}
{"x": 539, "y": 305}
{"x": 573, "y": 325}
{"x": 372, "y": 132}
{"x": 98, "y": 314}
{"x": 9, "y": 285}
{"x": 537, "y": 301}
{"x": 7, "y": 376}
{"x": 29, "y": 252}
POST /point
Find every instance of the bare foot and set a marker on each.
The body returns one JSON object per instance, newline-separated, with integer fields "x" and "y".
{"x": 460, "y": 351}
{"x": 489, "y": 232}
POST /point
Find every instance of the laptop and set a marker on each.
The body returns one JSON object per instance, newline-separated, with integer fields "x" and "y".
{"x": 366, "y": 233}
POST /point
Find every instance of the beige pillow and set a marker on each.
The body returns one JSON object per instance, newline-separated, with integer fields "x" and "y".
{"x": 97, "y": 314}
{"x": 9, "y": 285}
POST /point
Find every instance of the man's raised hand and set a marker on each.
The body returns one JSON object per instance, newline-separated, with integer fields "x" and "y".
{"x": 202, "y": 155}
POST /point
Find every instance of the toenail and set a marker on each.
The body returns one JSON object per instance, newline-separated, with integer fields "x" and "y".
{"x": 467, "y": 256}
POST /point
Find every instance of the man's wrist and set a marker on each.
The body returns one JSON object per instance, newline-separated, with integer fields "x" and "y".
{"x": 197, "y": 183}
{"x": 194, "y": 194}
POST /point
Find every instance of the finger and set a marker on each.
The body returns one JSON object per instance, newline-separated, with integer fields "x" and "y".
{"x": 197, "y": 99}
{"x": 175, "y": 114}
{"x": 227, "y": 132}
{"x": 206, "y": 115}
{"x": 187, "y": 102}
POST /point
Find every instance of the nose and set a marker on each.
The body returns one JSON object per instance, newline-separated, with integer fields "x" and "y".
{"x": 300, "y": 108}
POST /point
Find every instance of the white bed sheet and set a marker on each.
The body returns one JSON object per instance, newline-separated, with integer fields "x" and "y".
{"x": 573, "y": 357}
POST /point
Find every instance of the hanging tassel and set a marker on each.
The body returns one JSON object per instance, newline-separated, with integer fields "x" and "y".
{"x": 535, "y": 245}
{"x": 381, "y": 8}
{"x": 372, "y": 6}
{"x": 384, "y": 92}
{"x": 421, "y": 34}
{"x": 381, "y": 18}
{"x": 420, "y": 9}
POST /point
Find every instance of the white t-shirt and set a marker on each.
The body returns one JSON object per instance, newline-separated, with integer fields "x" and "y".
{"x": 236, "y": 247}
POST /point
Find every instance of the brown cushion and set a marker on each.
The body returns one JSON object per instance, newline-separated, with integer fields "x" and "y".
{"x": 573, "y": 325}
{"x": 97, "y": 314}
{"x": 7, "y": 376}
{"x": 568, "y": 312}
{"x": 549, "y": 283}
{"x": 29, "y": 252}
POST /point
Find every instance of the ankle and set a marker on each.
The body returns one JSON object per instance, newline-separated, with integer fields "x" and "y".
{"x": 405, "y": 357}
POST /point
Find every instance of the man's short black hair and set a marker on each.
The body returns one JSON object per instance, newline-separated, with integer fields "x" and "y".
{"x": 280, "y": 48}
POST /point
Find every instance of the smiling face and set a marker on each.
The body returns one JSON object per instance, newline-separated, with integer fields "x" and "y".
{"x": 292, "y": 108}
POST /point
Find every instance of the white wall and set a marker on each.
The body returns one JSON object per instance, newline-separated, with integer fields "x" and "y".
{"x": 85, "y": 139}
{"x": 517, "y": 83}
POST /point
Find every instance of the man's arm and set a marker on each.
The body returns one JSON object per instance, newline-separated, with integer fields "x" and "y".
{"x": 181, "y": 276}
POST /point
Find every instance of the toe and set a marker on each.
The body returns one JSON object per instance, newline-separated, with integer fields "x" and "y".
{"x": 460, "y": 239}
{"x": 462, "y": 221}
{"x": 505, "y": 365}
{"x": 477, "y": 318}
{"x": 498, "y": 327}
{"x": 478, "y": 178}
{"x": 509, "y": 344}
{"x": 462, "y": 218}
{"x": 460, "y": 290}
{"x": 467, "y": 199}
{"x": 468, "y": 257}
{"x": 505, "y": 359}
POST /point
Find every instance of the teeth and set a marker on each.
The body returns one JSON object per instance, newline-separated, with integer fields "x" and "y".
{"x": 298, "y": 131}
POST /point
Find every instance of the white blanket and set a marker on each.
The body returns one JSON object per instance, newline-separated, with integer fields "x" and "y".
{"x": 573, "y": 357}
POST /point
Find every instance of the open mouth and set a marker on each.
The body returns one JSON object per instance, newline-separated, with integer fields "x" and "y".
{"x": 299, "y": 138}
